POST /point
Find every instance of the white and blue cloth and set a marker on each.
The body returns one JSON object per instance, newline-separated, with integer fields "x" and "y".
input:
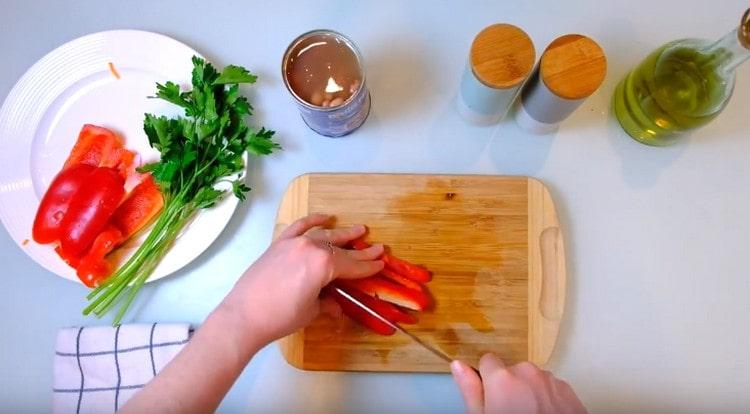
{"x": 97, "y": 369}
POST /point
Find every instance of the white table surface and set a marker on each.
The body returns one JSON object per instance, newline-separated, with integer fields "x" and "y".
{"x": 657, "y": 239}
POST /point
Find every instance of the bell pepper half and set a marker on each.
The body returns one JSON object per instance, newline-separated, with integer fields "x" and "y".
{"x": 90, "y": 210}
{"x": 56, "y": 202}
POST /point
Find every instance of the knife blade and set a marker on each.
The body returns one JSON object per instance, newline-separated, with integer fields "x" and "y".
{"x": 442, "y": 355}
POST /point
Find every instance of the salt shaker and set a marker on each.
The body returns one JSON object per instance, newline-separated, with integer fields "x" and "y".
{"x": 570, "y": 70}
{"x": 501, "y": 58}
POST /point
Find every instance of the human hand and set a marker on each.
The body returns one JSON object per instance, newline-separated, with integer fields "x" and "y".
{"x": 279, "y": 293}
{"x": 521, "y": 388}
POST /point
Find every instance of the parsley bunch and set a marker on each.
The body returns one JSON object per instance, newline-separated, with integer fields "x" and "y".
{"x": 198, "y": 151}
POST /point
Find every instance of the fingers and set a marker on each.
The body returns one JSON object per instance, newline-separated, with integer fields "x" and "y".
{"x": 338, "y": 236}
{"x": 354, "y": 264}
{"x": 526, "y": 369}
{"x": 304, "y": 224}
{"x": 490, "y": 363}
{"x": 346, "y": 267}
{"x": 370, "y": 253}
{"x": 470, "y": 386}
{"x": 349, "y": 264}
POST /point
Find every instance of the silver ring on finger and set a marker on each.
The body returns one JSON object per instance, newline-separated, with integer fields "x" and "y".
{"x": 329, "y": 245}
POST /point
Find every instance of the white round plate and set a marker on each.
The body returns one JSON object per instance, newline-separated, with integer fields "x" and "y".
{"x": 72, "y": 86}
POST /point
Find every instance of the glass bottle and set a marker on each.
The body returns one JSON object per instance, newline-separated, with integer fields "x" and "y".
{"x": 680, "y": 86}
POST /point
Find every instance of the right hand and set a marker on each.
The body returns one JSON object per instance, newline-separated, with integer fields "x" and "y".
{"x": 521, "y": 388}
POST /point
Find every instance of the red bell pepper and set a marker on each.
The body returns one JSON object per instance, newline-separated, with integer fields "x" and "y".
{"x": 93, "y": 268}
{"x": 90, "y": 210}
{"x": 401, "y": 280}
{"x": 72, "y": 260}
{"x": 387, "y": 310}
{"x": 141, "y": 205}
{"x": 82, "y": 208}
{"x": 56, "y": 202}
{"x": 360, "y": 315}
{"x": 97, "y": 147}
{"x": 392, "y": 292}
{"x": 384, "y": 309}
{"x": 100, "y": 147}
{"x": 402, "y": 267}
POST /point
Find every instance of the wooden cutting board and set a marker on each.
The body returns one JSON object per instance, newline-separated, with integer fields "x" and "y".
{"x": 494, "y": 246}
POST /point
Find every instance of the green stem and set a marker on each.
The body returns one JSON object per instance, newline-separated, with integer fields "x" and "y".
{"x": 115, "y": 284}
{"x": 127, "y": 281}
{"x": 146, "y": 266}
{"x": 134, "y": 261}
{"x": 159, "y": 252}
{"x": 117, "y": 281}
{"x": 209, "y": 164}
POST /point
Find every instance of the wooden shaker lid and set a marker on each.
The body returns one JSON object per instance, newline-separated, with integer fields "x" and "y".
{"x": 573, "y": 66}
{"x": 744, "y": 31}
{"x": 502, "y": 56}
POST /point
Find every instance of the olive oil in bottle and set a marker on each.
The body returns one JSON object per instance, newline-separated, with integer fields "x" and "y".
{"x": 680, "y": 86}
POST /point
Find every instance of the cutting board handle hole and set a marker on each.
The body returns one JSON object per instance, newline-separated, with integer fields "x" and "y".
{"x": 550, "y": 249}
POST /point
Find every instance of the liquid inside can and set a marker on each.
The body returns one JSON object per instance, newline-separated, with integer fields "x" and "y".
{"x": 322, "y": 69}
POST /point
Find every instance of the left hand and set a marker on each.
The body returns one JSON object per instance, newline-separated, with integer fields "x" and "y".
{"x": 279, "y": 293}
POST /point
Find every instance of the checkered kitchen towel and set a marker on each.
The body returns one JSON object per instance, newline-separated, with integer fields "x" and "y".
{"x": 98, "y": 368}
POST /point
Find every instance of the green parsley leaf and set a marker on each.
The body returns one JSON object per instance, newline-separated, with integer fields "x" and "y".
{"x": 260, "y": 143}
{"x": 170, "y": 92}
{"x": 235, "y": 74}
{"x": 239, "y": 189}
{"x": 208, "y": 197}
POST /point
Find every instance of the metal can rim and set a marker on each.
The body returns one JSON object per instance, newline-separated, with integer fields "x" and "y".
{"x": 297, "y": 41}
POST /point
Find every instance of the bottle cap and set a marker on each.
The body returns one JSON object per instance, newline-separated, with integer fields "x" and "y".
{"x": 573, "y": 66}
{"x": 502, "y": 56}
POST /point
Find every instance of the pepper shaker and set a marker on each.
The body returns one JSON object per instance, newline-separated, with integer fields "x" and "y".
{"x": 570, "y": 70}
{"x": 501, "y": 58}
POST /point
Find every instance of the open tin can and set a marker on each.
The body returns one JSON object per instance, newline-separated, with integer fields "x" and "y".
{"x": 323, "y": 70}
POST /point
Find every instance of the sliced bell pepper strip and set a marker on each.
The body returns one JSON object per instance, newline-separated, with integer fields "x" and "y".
{"x": 402, "y": 267}
{"x": 358, "y": 314}
{"x": 401, "y": 280}
{"x": 387, "y": 310}
{"x": 56, "y": 202}
{"x": 90, "y": 210}
{"x": 124, "y": 161}
{"x": 141, "y": 205}
{"x": 392, "y": 292}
